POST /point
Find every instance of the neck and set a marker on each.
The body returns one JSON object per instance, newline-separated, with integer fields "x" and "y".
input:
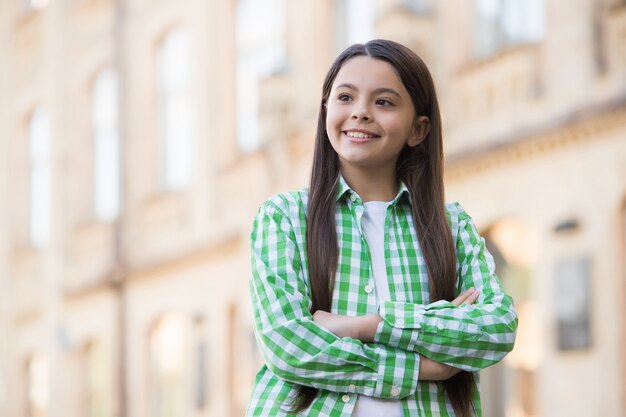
{"x": 371, "y": 185}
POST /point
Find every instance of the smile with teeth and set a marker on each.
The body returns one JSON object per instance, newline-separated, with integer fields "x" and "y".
{"x": 359, "y": 135}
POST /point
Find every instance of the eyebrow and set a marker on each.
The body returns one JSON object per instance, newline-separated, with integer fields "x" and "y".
{"x": 376, "y": 91}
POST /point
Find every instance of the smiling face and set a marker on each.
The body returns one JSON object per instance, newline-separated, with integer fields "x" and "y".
{"x": 370, "y": 117}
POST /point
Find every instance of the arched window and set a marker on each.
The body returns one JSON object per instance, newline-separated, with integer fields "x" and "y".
{"x": 511, "y": 384}
{"x": 503, "y": 23}
{"x": 168, "y": 356}
{"x": 176, "y": 128}
{"x": 244, "y": 357}
{"x": 200, "y": 365}
{"x": 97, "y": 383}
{"x": 38, "y": 386}
{"x": 261, "y": 51}
{"x": 40, "y": 204}
{"x": 622, "y": 232}
{"x": 106, "y": 137}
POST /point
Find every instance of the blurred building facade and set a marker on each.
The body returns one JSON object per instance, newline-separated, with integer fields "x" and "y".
{"x": 139, "y": 137}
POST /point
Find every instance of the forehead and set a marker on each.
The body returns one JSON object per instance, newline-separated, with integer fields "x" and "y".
{"x": 365, "y": 72}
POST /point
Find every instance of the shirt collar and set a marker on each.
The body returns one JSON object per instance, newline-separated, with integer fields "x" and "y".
{"x": 344, "y": 189}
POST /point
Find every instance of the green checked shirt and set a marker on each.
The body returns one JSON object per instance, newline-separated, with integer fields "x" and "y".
{"x": 298, "y": 351}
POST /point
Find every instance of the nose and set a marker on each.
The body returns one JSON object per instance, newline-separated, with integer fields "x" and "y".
{"x": 360, "y": 114}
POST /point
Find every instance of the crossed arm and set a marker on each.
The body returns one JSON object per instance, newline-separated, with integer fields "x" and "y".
{"x": 364, "y": 329}
{"x": 411, "y": 341}
{"x": 474, "y": 331}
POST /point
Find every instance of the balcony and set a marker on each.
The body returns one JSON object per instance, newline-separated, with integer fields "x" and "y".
{"x": 488, "y": 97}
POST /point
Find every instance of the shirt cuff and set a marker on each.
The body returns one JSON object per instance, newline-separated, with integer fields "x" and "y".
{"x": 403, "y": 323}
{"x": 396, "y": 318}
{"x": 398, "y": 373}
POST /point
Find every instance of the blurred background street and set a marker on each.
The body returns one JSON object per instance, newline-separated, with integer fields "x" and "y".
{"x": 139, "y": 137}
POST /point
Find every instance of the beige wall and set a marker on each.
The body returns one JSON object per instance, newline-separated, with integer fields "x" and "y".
{"x": 4, "y": 222}
{"x": 564, "y": 185}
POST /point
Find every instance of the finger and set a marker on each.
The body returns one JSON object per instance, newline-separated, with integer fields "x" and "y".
{"x": 320, "y": 315}
{"x": 316, "y": 317}
{"x": 462, "y": 297}
{"x": 473, "y": 297}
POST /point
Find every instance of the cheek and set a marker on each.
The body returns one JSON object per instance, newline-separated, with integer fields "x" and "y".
{"x": 333, "y": 121}
{"x": 400, "y": 127}
{"x": 329, "y": 128}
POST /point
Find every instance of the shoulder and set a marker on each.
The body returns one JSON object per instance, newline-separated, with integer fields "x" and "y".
{"x": 456, "y": 214}
{"x": 461, "y": 223}
{"x": 286, "y": 205}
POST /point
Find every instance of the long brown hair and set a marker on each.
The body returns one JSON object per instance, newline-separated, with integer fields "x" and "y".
{"x": 420, "y": 168}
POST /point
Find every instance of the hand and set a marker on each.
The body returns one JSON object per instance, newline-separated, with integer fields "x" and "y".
{"x": 359, "y": 327}
{"x": 431, "y": 370}
{"x": 435, "y": 371}
{"x": 466, "y": 297}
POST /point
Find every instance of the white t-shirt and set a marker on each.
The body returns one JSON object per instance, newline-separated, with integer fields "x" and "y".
{"x": 373, "y": 224}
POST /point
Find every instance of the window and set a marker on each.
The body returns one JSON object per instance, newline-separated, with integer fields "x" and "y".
{"x": 261, "y": 52}
{"x": 98, "y": 401}
{"x": 3, "y": 384}
{"x": 622, "y": 270}
{"x": 168, "y": 347}
{"x": 39, "y": 150}
{"x": 503, "y": 23}
{"x": 244, "y": 359}
{"x": 38, "y": 386}
{"x": 176, "y": 132}
{"x": 200, "y": 380}
{"x": 511, "y": 384}
{"x": 573, "y": 310}
{"x": 418, "y": 6}
{"x": 356, "y": 22}
{"x": 35, "y": 4}
{"x": 106, "y": 145}
{"x": 200, "y": 366}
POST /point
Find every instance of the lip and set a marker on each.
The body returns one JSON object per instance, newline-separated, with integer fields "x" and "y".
{"x": 359, "y": 140}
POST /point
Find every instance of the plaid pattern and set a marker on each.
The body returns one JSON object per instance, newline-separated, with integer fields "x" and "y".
{"x": 298, "y": 351}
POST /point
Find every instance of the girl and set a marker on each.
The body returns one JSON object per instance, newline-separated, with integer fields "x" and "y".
{"x": 371, "y": 296}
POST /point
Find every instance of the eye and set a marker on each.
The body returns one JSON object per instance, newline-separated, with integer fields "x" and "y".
{"x": 384, "y": 102}
{"x": 344, "y": 97}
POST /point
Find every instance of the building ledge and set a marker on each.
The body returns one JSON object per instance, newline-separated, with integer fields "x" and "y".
{"x": 580, "y": 125}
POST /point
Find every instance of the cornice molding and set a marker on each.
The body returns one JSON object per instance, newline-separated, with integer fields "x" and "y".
{"x": 203, "y": 254}
{"x": 579, "y": 126}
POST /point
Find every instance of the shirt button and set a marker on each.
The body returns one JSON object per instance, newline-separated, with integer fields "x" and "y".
{"x": 440, "y": 326}
{"x": 353, "y": 198}
{"x": 368, "y": 288}
{"x": 352, "y": 388}
{"x": 395, "y": 391}
{"x": 345, "y": 398}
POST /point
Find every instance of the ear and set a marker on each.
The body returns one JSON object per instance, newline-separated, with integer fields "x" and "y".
{"x": 421, "y": 127}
